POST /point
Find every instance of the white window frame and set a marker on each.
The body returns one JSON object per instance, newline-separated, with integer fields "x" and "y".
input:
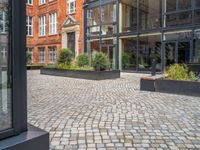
{"x": 42, "y": 54}
{"x": 29, "y": 25}
{"x": 52, "y": 54}
{"x": 71, "y": 6}
{"x": 41, "y": 2}
{"x": 30, "y": 2}
{"x": 42, "y": 25}
{"x": 3, "y": 22}
{"x": 53, "y": 23}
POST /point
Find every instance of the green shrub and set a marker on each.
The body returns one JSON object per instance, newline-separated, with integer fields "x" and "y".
{"x": 63, "y": 66}
{"x": 28, "y": 58}
{"x": 102, "y": 59}
{"x": 82, "y": 60}
{"x": 65, "y": 57}
{"x": 180, "y": 72}
{"x": 51, "y": 66}
{"x": 126, "y": 59}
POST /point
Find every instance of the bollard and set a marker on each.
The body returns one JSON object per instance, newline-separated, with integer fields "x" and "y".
{"x": 153, "y": 69}
{"x": 98, "y": 66}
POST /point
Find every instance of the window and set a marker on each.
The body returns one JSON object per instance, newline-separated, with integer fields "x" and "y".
{"x": 149, "y": 14}
{"x": 42, "y": 2}
{"x": 29, "y": 25}
{"x": 3, "y": 22}
{"x": 71, "y": 6}
{"x": 52, "y": 54}
{"x": 29, "y": 50}
{"x": 53, "y": 23}
{"x": 30, "y": 2}
{"x": 42, "y": 25}
{"x": 42, "y": 55}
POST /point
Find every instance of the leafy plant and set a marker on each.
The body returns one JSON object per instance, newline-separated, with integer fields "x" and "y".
{"x": 82, "y": 60}
{"x": 65, "y": 57}
{"x": 126, "y": 60}
{"x": 102, "y": 59}
{"x": 63, "y": 66}
{"x": 180, "y": 72}
{"x": 28, "y": 58}
{"x": 51, "y": 66}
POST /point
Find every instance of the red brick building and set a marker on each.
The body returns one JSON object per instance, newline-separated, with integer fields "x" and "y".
{"x": 52, "y": 25}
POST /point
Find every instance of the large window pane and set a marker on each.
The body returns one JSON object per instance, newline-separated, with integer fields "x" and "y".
{"x": 179, "y": 19}
{"x": 108, "y": 14}
{"x": 129, "y": 15}
{"x": 197, "y": 16}
{"x": 149, "y": 49}
{"x": 170, "y": 5}
{"x": 93, "y": 16}
{"x": 129, "y": 54}
{"x": 184, "y": 4}
{"x": 149, "y": 14}
{"x": 5, "y": 85}
{"x": 197, "y": 3}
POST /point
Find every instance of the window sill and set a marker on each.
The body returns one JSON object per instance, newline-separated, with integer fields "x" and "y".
{"x": 42, "y": 36}
{"x": 29, "y": 36}
{"x": 73, "y": 13}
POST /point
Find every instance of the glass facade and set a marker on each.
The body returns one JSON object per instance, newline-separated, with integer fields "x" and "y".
{"x": 165, "y": 30}
{"x": 5, "y": 83}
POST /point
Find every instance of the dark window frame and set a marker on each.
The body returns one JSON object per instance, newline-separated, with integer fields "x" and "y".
{"x": 17, "y": 68}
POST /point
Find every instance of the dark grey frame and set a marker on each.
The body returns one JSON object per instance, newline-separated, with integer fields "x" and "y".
{"x": 193, "y": 26}
{"x": 17, "y": 66}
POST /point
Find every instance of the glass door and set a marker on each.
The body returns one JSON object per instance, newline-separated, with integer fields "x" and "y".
{"x": 5, "y": 85}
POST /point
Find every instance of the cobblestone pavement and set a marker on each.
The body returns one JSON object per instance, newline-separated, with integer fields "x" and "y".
{"x": 111, "y": 114}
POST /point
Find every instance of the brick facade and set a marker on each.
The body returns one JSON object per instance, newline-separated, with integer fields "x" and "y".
{"x": 35, "y": 41}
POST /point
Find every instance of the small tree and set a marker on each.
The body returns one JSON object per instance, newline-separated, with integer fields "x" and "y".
{"x": 65, "y": 57}
{"x": 82, "y": 60}
{"x": 102, "y": 59}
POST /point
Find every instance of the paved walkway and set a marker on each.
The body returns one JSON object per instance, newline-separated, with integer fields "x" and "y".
{"x": 111, "y": 114}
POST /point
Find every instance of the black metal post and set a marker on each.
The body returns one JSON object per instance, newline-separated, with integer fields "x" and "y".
{"x": 153, "y": 69}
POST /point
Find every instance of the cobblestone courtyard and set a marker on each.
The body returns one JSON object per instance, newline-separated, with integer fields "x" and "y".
{"x": 111, "y": 114}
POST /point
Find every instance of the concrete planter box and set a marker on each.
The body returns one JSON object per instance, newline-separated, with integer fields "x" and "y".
{"x": 178, "y": 87}
{"x": 82, "y": 74}
{"x": 189, "y": 88}
{"x": 147, "y": 84}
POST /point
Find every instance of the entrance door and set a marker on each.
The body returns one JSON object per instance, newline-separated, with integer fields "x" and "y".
{"x": 71, "y": 42}
{"x": 177, "y": 52}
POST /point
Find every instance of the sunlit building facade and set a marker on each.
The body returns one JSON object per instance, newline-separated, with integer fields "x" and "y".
{"x": 134, "y": 32}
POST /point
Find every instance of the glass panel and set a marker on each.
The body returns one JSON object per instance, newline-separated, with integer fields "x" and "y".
{"x": 170, "y": 5}
{"x": 197, "y": 16}
{"x": 184, "y": 4}
{"x": 129, "y": 15}
{"x": 108, "y": 47}
{"x": 170, "y": 53}
{"x": 129, "y": 54}
{"x": 149, "y": 49}
{"x": 5, "y": 84}
{"x": 108, "y": 14}
{"x": 71, "y": 42}
{"x": 183, "y": 18}
{"x": 196, "y": 55}
{"x": 197, "y": 3}
{"x": 149, "y": 14}
{"x": 184, "y": 52}
{"x": 93, "y": 16}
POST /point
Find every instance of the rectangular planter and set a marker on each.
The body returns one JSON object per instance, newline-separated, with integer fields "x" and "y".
{"x": 147, "y": 84}
{"x": 178, "y": 87}
{"x": 34, "y": 67}
{"x": 81, "y": 74}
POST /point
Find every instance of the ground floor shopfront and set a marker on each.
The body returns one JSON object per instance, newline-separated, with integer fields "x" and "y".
{"x": 133, "y": 33}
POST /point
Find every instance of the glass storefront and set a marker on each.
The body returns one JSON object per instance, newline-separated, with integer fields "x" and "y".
{"x": 5, "y": 83}
{"x": 164, "y": 30}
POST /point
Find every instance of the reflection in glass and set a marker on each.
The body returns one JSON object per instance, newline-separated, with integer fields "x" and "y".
{"x": 197, "y": 3}
{"x": 184, "y": 4}
{"x": 129, "y": 54}
{"x": 129, "y": 15}
{"x": 171, "y": 5}
{"x": 183, "y": 52}
{"x": 149, "y": 49}
{"x": 197, "y": 16}
{"x": 196, "y": 55}
{"x": 5, "y": 91}
{"x": 170, "y": 53}
{"x": 149, "y": 14}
